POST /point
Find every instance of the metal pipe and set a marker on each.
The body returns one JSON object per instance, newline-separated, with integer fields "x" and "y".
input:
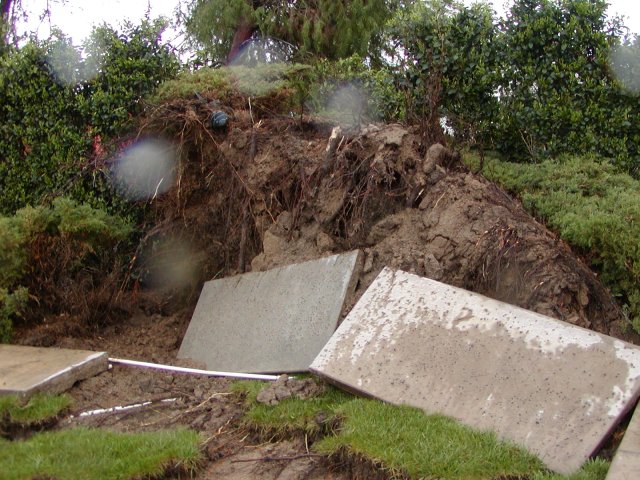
{"x": 196, "y": 371}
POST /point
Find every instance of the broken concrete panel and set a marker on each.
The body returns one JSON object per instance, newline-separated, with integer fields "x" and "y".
{"x": 626, "y": 462}
{"x": 28, "y": 370}
{"x": 552, "y": 387}
{"x": 270, "y": 322}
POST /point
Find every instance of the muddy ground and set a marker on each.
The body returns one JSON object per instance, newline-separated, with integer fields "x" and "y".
{"x": 271, "y": 190}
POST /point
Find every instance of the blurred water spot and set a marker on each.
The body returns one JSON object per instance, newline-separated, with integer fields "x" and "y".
{"x": 625, "y": 65}
{"x": 170, "y": 263}
{"x": 347, "y": 105}
{"x": 145, "y": 170}
{"x": 265, "y": 50}
{"x": 260, "y": 66}
{"x": 68, "y": 66}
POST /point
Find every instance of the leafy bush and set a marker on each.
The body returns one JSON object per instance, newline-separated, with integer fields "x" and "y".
{"x": 380, "y": 98}
{"x": 449, "y": 66}
{"x": 557, "y": 93}
{"x": 593, "y": 206}
{"x": 58, "y": 109}
{"x": 42, "y": 245}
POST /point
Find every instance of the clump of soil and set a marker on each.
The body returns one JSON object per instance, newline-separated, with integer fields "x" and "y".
{"x": 286, "y": 387}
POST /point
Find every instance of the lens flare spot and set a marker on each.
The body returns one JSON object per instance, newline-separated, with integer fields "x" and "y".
{"x": 625, "y": 65}
{"x": 145, "y": 170}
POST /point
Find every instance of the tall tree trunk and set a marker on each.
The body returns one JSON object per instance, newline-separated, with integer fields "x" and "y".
{"x": 5, "y": 8}
{"x": 243, "y": 33}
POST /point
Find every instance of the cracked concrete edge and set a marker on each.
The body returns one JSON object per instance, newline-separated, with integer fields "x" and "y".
{"x": 626, "y": 462}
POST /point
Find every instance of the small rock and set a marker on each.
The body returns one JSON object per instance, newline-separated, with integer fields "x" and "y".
{"x": 368, "y": 263}
{"x": 432, "y": 267}
{"x": 324, "y": 242}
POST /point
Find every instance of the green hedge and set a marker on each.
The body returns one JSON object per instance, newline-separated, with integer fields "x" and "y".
{"x": 59, "y": 108}
{"x": 593, "y": 206}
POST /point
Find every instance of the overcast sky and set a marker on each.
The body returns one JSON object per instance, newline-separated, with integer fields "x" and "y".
{"x": 76, "y": 17}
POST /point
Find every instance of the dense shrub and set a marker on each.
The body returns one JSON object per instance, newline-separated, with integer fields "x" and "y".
{"x": 43, "y": 249}
{"x": 594, "y": 207}
{"x": 558, "y": 94}
{"x": 377, "y": 88}
{"x": 59, "y": 109}
{"x": 448, "y": 66}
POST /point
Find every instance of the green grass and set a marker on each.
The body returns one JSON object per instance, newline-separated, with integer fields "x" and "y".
{"x": 291, "y": 415}
{"x": 255, "y": 81}
{"x": 403, "y": 440}
{"x": 98, "y": 454}
{"x": 595, "y": 469}
{"x": 39, "y": 409}
{"x": 205, "y": 80}
{"x": 591, "y": 205}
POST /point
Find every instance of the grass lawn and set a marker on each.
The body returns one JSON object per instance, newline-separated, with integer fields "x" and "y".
{"x": 39, "y": 409}
{"x": 89, "y": 454}
{"x": 403, "y": 440}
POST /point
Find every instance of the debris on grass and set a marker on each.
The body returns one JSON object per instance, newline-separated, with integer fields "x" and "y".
{"x": 98, "y": 454}
{"x": 286, "y": 387}
{"x": 312, "y": 417}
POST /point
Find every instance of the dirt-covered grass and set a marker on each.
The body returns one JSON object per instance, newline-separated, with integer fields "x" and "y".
{"x": 312, "y": 417}
{"x": 591, "y": 205}
{"x": 99, "y": 454}
{"x": 402, "y": 441}
{"x": 38, "y": 410}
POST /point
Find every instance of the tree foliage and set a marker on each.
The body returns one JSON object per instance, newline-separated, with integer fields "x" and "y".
{"x": 325, "y": 28}
{"x": 553, "y": 77}
{"x": 556, "y": 89}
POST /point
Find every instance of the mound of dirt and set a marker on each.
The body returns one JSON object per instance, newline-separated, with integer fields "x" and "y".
{"x": 272, "y": 191}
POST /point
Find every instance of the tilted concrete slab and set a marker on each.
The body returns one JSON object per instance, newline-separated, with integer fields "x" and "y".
{"x": 626, "y": 462}
{"x": 270, "y": 322}
{"x": 28, "y": 370}
{"x": 552, "y": 387}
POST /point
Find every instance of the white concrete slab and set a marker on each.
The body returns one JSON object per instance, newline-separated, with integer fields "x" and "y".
{"x": 550, "y": 386}
{"x": 270, "y": 322}
{"x": 626, "y": 462}
{"x": 27, "y": 370}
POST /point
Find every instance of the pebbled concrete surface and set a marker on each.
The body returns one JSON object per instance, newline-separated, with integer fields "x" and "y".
{"x": 28, "y": 370}
{"x": 270, "y": 322}
{"x": 552, "y": 387}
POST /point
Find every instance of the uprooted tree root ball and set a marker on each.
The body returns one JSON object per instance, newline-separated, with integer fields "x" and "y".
{"x": 272, "y": 190}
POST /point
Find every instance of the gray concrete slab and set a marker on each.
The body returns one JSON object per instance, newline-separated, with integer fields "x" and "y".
{"x": 270, "y": 322}
{"x": 28, "y": 370}
{"x": 626, "y": 462}
{"x": 552, "y": 387}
